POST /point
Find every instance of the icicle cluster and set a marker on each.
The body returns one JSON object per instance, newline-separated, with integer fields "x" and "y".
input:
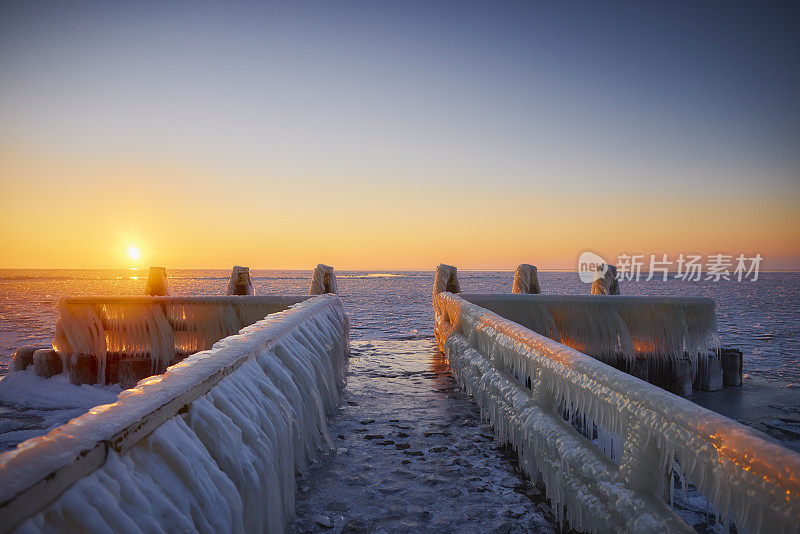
{"x": 525, "y": 383}
{"x": 158, "y": 328}
{"x": 228, "y": 463}
{"x": 662, "y": 329}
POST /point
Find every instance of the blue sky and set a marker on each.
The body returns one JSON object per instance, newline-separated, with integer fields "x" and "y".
{"x": 670, "y": 104}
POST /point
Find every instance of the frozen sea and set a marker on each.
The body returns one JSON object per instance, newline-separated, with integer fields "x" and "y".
{"x": 412, "y": 453}
{"x": 760, "y": 318}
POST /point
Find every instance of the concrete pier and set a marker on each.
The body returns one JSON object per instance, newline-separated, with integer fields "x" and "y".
{"x": 413, "y": 455}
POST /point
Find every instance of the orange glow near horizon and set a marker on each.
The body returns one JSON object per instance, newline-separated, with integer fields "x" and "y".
{"x": 188, "y": 216}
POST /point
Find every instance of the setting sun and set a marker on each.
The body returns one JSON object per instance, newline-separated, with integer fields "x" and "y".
{"x": 133, "y": 252}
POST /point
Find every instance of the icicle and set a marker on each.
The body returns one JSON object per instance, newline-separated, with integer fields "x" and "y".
{"x": 747, "y": 478}
{"x": 226, "y": 462}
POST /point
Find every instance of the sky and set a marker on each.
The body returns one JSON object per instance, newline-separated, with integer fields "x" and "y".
{"x": 396, "y": 135}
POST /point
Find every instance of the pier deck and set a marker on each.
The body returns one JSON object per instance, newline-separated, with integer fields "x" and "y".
{"x": 412, "y": 454}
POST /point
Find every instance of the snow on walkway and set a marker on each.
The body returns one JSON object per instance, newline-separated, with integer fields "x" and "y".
{"x": 412, "y": 455}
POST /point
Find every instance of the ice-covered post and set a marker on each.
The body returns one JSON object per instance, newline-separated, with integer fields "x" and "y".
{"x": 323, "y": 281}
{"x": 526, "y": 280}
{"x": 446, "y": 279}
{"x": 157, "y": 282}
{"x": 605, "y": 281}
{"x": 240, "y": 283}
{"x": 23, "y": 357}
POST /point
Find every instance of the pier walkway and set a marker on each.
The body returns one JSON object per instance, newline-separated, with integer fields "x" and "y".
{"x": 412, "y": 455}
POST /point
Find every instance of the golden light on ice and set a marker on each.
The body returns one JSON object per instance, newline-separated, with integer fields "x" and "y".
{"x": 133, "y": 252}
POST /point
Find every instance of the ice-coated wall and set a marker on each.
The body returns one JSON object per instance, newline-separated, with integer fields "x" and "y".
{"x": 156, "y": 328}
{"x": 212, "y": 445}
{"x": 617, "y": 479}
{"x": 662, "y": 329}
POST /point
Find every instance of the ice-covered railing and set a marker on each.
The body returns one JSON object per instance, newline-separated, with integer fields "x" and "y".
{"x": 158, "y": 329}
{"x": 211, "y": 445}
{"x": 609, "y": 327}
{"x": 669, "y": 341}
{"x": 526, "y": 382}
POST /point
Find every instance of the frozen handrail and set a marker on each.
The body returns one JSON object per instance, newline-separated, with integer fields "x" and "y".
{"x": 158, "y": 328}
{"x": 316, "y": 331}
{"x": 663, "y": 329}
{"x": 746, "y": 477}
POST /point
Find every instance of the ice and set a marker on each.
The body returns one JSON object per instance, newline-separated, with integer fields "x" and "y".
{"x": 605, "y": 281}
{"x": 157, "y": 285}
{"x": 158, "y": 328}
{"x": 446, "y": 279}
{"x": 240, "y": 283}
{"x": 526, "y": 280}
{"x": 662, "y": 329}
{"x": 225, "y": 464}
{"x": 525, "y": 383}
{"x": 31, "y": 405}
{"x": 323, "y": 280}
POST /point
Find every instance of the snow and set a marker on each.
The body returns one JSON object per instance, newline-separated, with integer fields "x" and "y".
{"x": 228, "y": 462}
{"x": 31, "y": 405}
{"x": 745, "y": 476}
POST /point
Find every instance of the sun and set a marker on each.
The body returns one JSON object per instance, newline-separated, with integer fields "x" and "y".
{"x": 133, "y": 252}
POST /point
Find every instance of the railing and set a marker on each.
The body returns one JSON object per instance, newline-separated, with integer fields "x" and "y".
{"x": 296, "y": 368}
{"x": 526, "y": 382}
{"x": 161, "y": 329}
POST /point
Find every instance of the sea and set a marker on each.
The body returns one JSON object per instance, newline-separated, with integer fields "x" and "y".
{"x": 761, "y": 318}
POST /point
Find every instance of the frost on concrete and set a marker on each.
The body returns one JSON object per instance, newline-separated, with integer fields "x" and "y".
{"x": 226, "y": 463}
{"x": 527, "y": 383}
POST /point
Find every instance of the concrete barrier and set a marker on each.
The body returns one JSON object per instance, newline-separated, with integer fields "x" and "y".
{"x": 212, "y": 444}
{"x": 526, "y": 383}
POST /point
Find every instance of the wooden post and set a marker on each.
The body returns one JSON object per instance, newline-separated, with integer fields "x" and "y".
{"x": 131, "y": 370}
{"x": 731, "y": 367}
{"x": 526, "y": 280}
{"x": 240, "y": 283}
{"x": 157, "y": 282}
{"x": 605, "y": 282}
{"x": 83, "y": 369}
{"x": 47, "y": 362}
{"x": 23, "y": 357}
{"x": 709, "y": 373}
{"x": 446, "y": 279}
{"x": 323, "y": 280}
